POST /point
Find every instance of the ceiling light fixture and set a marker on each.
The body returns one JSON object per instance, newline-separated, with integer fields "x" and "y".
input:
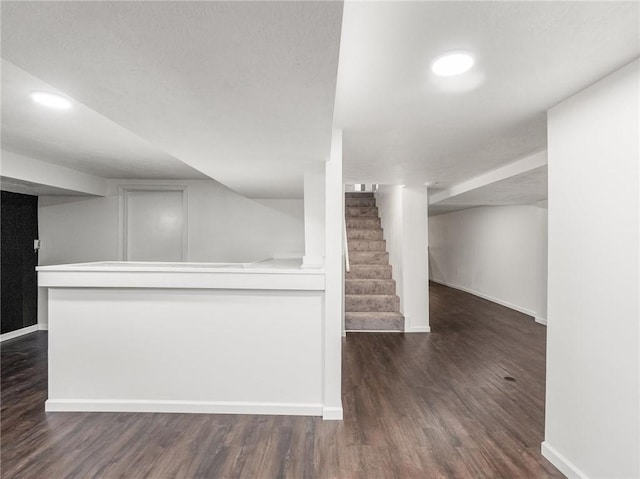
{"x": 51, "y": 100}
{"x": 452, "y": 63}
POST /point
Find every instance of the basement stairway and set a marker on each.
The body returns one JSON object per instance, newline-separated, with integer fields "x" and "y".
{"x": 371, "y": 303}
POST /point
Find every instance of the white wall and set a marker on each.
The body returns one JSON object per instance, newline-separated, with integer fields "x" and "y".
{"x": 314, "y": 220}
{"x": 389, "y": 202}
{"x": 222, "y": 225}
{"x": 404, "y": 217}
{"x": 497, "y": 252}
{"x": 593, "y": 373}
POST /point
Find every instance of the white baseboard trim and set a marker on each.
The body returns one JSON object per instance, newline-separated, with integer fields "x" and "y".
{"x": 332, "y": 414}
{"x": 561, "y": 462}
{"x": 373, "y": 331}
{"x": 18, "y": 332}
{"x": 541, "y": 320}
{"x": 418, "y": 329}
{"x": 515, "y": 307}
{"x": 43, "y": 327}
{"x": 194, "y": 407}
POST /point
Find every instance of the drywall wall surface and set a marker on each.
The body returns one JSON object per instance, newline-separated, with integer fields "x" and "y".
{"x": 222, "y": 225}
{"x": 593, "y": 374}
{"x": 314, "y": 220}
{"x": 498, "y": 252}
{"x": 389, "y": 202}
{"x": 404, "y": 218}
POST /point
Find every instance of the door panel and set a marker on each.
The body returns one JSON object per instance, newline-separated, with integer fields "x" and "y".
{"x": 18, "y": 277}
{"x": 154, "y": 226}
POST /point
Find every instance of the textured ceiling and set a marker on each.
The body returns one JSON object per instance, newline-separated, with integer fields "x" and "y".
{"x": 522, "y": 189}
{"x": 401, "y": 125}
{"x": 242, "y": 91}
{"x": 78, "y": 138}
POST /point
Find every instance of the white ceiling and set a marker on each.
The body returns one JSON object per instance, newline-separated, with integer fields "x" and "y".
{"x": 242, "y": 91}
{"x": 521, "y": 189}
{"x": 403, "y": 126}
{"x": 79, "y": 138}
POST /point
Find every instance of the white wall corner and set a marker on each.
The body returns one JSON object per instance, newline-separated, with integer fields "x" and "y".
{"x": 541, "y": 320}
{"x": 562, "y": 463}
{"x": 333, "y": 325}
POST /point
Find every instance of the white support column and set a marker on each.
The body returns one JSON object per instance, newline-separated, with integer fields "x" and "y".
{"x": 334, "y": 294}
{"x": 314, "y": 220}
{"x": 415, "y": 258}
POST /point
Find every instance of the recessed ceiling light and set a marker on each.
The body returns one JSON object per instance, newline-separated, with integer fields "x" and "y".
{"x": 452, "y": 63}
{"x": 51, "y": 100}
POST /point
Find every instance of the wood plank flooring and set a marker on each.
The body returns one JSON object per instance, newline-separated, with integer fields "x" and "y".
{"x": 416, "y": 406}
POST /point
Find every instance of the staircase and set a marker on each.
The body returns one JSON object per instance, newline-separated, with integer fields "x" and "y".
{"x": 371, "y": 302}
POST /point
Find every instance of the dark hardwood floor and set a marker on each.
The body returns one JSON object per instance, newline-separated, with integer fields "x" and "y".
{"x": 416, "y": 406}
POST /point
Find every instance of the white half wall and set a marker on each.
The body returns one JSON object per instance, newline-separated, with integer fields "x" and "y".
{"x": 496, "y": 252}
{"x": 592, "y": 425}
{"x": 223, "y": 226}
{"x": 404, "y": 214}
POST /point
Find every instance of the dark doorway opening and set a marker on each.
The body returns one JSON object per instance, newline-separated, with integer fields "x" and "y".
{"x": 18, "y": 277}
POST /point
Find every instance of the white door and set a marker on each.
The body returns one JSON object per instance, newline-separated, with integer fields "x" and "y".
{"x": 154, "y": 226}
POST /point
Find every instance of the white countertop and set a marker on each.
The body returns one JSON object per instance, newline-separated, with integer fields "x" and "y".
{"x": 275, "y": 274}
{"x": 284, "y": 266}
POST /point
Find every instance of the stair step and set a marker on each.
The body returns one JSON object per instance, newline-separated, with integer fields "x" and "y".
{"x": 372, "y": 321}
{"x": 366, "y": 245}
{"x": 370, "y": 286}
{"x": 363, "y": 222}
{"x": 360, "y": 211}
{"x": 365, "y": 234}
{"x": 358, "y": 194}
{"x": 368, "y": 257}
{"x": 371, "y": 302}
{"x": 360, "y": 201}
{"x": 369, "y": 271}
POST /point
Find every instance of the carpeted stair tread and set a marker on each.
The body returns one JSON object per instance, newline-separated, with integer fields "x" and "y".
{"x": 373, "y": 321}
{"x": 370, "y": 286}
{"x": 368, "y": 257}
{"x": 367, "y": 245}
{"x": 361, "y": 211}
{"x": 371, "y": 302}
{"x": 369, "y": 271}
{"x": 370, "y": 234}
